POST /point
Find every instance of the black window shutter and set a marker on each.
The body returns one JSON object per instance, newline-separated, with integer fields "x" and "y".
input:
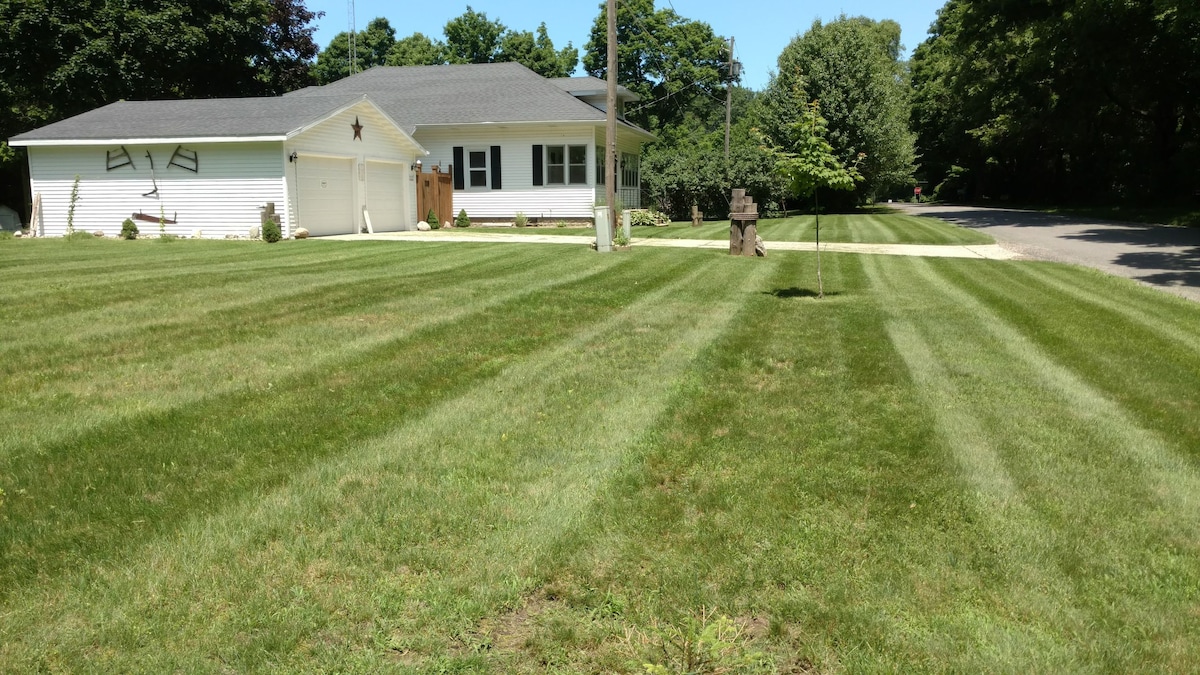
{"x": 538, "y": 159}
{"x": 459, "y": 183}
{"x": 495, "y": 167}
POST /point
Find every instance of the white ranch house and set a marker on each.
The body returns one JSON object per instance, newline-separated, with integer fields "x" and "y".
{"x": 330, "y": 158}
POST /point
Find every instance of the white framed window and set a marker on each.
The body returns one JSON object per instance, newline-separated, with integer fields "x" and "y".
{"x": 477, "y": 168}
{"x": 629, "y": 170}
{"x": 566, "y": 164}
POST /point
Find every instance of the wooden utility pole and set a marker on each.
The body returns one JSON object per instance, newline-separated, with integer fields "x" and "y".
{"x": 610, "y": 144}
{"x": 728, "y": 103}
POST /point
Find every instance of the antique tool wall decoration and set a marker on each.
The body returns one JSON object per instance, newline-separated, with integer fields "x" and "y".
{"x": 185, "y": 159}
{"x": 153, "y": 179}
{"x": 115, "y": 159}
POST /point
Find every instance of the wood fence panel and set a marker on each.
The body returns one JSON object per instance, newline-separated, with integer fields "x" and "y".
{"x": 435, "y": 190}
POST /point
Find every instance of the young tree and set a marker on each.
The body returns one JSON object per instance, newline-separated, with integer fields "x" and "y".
{"x": 852, "y": 66}
{"x": 808, "y": 163}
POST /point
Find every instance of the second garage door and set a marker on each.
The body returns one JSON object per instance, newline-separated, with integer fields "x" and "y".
{"x": 326, "y": 195}
{"x": 386, "y": 185}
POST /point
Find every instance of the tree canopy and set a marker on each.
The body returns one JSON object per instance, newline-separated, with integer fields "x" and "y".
{"x": 1071, "y": 101}
{"x": 852, "y": 66}
{"x": 470, "y": 38}
{"x": 671, "y": 62}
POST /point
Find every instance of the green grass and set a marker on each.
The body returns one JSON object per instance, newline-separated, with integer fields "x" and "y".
{"x": 364, "y": 457}
{"x": 875, "y": 227}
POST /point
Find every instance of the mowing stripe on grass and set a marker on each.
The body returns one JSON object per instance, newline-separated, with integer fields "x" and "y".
{"x": 552, "y": 459}
{"x": 1173, "y": 479}
{"x": 154, "y": 467}
{"x": 215, "y": 351}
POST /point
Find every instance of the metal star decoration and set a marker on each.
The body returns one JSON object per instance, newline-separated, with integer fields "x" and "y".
{"x": 357, "y": 129}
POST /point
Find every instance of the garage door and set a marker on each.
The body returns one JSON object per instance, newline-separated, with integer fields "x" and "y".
{"x": 386, "y": 186}
{"x": 326, "y": 198}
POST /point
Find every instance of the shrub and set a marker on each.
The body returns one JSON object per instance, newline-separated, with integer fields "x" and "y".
{"x": 167, "y": 237}
{"x": 520, "y": 220}
{"x": 647, "y": 218}
{"x": 5, "y": 234}
{"x": 78, "y": 235}
{"x": 462, "y": 220}
{"x": 431, "y": 218}
{"x": 271, "y": 232}
{"x": 561, "y": 223}
{"x": 129, "y": 229}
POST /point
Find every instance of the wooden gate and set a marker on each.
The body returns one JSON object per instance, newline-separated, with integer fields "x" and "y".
{"x": 435, "y": 190}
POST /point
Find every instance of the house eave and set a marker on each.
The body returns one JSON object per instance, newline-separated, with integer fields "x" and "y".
{"x": 626, "y": 126}
{"x": 166, "y": 140}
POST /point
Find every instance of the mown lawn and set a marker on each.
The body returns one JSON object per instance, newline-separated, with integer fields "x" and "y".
{"x": 364, "y": 457}
{"x": 874, "y": 227}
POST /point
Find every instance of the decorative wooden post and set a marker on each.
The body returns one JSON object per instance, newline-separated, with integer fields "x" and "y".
{"x": 743, "y": 224}
{"x": 697, "y": 216}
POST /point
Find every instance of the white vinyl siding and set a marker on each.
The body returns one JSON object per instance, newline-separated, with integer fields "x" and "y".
{"x": 223, "y": 198}
{"x": 546, "y": 203}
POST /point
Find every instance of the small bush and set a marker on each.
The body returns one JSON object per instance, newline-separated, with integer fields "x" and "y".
{"x": 431, "y": 218}
{"x": 520, "y": 220}
{"x": 271, "y": 232}
{"x": 561, "y": 223}
{"x": 5, "y": 234}
{"x": 78, "y": 235}
{"x": 647, "y": 218}
{"x": 129, "y": 229}
{"x": 462, "y": 220}
{"x": 166, "y": 237}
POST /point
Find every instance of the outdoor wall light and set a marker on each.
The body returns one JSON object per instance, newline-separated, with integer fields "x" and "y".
{"x": 416, "y": 166}
{"x": 292, "y": 157}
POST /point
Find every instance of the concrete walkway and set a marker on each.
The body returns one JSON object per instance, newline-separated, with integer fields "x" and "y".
{"x": 1156, "y": 255}
{"x": 987, "y": 252}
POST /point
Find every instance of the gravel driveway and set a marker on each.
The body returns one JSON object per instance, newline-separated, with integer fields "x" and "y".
{"x": 1159, "y": 256}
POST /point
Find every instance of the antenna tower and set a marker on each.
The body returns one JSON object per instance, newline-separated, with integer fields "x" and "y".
{"x": 353, "y": 46}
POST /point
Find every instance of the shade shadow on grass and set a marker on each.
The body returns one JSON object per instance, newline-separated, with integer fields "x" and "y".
{"x": 795, "y": 292}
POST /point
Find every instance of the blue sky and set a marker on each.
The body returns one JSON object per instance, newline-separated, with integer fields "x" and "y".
{"x": 761, "y": 28}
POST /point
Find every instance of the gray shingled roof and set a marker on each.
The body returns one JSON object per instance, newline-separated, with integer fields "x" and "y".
{"x": 199, "y": 118}
{"x": 412, "y": 96}
{"x": 582, "y": 85}
{"x": 462, "y": 94}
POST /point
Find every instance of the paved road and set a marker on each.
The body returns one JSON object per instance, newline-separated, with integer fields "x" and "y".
{"x": 1163, "y": 257}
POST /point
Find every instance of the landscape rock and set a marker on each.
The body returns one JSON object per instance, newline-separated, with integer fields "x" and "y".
{"x": 197, "y": 234}
{"x": 99, "y": 234}
{"x": 760, "y": 247}
{"x": 423, "y": 226}
{"x": 301, "y": 233}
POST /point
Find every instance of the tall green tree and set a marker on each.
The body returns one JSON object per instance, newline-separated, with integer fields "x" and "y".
{"x": 538, "y": 53}
{"x": 473, "y": 38}
{"x": 852, "y": 66}
{"x": 678, "y": 66}
{"x": 371, "y": 48}
{"x": 1070, "y": 101}
{"x": 416, "y": 50}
